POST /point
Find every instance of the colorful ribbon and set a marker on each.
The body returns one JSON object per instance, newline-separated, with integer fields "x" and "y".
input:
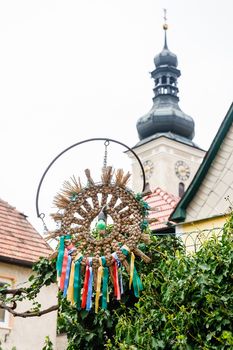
{"x": 68, "y": 268}
{"x": 121, "y": 280}
{"x": 137, "y": 284}
{"x": 98, "y": 285}
{"x": 70, "y": 277}
{"x": 70, "y": 291}
{"x": 117, "y": 291}
{"x": 63, "y": 273}
{"x": 125, "y": 250}
{"x": 105, "y": 284}
{"x": 60, "y": 256}
{"x": 62, "y": 261}
{"x": 85, "y": 287}
{"x": 90, "y": 282}
{"x": 134, "y": 277}
{"x": 71, "y": 288}
{"x": 77, "y": 281}
{"x": 131, "y": 269}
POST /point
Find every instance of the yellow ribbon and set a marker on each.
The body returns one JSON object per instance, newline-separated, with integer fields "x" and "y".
{"x": 77, "y": 256}
{"x": 58, "y": 279}
{"x": 98, "y": 285}
{"x": 70, "y": 291}
{"x": 131, "y": 269}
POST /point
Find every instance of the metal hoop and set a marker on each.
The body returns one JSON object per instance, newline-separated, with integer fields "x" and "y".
{"x": 107, "y": 140}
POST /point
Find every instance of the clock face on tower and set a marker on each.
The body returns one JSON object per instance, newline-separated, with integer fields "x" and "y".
{"x": 182, "y": 170}
{"x": 148, "y": 168}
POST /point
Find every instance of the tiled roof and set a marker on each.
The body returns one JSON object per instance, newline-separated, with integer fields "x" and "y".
{"x": 19, "y": 241}
{"x": 162, "y": 203}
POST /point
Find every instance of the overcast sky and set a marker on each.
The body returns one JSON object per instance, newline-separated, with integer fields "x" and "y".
{"x": 71, "y": 70}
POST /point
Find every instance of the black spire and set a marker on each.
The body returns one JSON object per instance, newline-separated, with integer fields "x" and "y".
{"x": 165, "y": 116}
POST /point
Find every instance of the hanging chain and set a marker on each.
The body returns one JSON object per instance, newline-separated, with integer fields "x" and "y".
{"x": 106, "y": 144}
{"x": 42, "y": 216}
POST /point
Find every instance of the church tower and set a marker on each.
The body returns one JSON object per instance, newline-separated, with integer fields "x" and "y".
{"x": 169, "y": 156}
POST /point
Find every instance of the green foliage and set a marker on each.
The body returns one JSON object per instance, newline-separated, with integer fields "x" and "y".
{"x": 48, "y": 345}
{"x": 85, "y": 330}
{"x": 187, "y": 301}
{"x": 88, "y": 330}
{"x": 186, "y": 304}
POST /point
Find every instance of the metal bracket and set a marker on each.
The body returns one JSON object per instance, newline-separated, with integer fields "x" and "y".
{"x": 75, "y": 145}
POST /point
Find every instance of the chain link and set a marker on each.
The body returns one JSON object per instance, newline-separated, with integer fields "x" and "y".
{"x": 106, "y": 144}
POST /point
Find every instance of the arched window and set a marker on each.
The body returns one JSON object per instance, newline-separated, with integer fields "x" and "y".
{"x": 157, "y": 81}
{"x": 172, "y": 81}
{"x": 164, "y": 79}
{"x": 181, "y": 189}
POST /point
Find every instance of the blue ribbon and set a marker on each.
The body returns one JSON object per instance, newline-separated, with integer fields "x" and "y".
{"x": 119, "y": 270}
{"x": 121, "y": 282}
{"x": 90, "y": 282}
{"x": 66, "y": 284}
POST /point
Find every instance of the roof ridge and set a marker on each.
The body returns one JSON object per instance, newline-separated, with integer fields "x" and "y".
{"x": 163, "y": 203}
{"x": 171, "y": 195}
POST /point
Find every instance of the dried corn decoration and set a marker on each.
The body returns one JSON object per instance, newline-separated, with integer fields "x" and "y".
{"x": 91, "y": 260}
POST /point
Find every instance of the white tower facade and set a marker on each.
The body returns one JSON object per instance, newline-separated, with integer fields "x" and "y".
{"x": 169, "y": 156}
{"x": 168, "y": 164}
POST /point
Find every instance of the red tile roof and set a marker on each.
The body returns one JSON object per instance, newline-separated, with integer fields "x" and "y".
{"x": 19, "y": 241}
{"x": 163, "y": 204}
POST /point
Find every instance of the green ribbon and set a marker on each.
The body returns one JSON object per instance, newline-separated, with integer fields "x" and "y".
{"x": 77, "y": 282}
{"x": 137, "y": 284}
{"x": 60, "y": 255}
{"x": 143, "y": 225}
{"x": 105, "y": 284}
{"x": 125, "y": 251}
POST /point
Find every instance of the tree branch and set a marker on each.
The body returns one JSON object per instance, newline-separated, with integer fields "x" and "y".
{"x": 27, "y": 313}
{"x": 13, "y": 291}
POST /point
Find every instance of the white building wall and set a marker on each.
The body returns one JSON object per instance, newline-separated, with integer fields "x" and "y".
{"x": 215, "y": 195}
{"x": 28, "y": 333}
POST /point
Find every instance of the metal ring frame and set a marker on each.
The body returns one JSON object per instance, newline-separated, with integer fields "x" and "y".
{"x": 77, "y": 144}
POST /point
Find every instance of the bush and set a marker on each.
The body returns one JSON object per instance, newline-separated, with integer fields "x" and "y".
{"x": 187, "y": 301}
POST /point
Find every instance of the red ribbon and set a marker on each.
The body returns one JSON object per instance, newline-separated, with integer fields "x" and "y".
{"x": 85, "y": 287}
{"x": 117, "y": 291}
{"x": 64, "y": 266}
{"x": 63, "y": 271}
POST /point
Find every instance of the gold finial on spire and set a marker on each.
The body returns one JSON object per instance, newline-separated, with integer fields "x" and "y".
{"x": 165, "y": 26}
